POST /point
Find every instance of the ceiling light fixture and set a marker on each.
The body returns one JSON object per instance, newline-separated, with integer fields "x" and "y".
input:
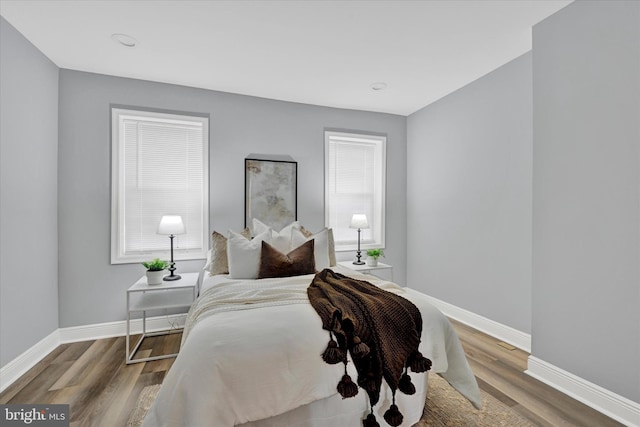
{"x": 124, "y": 40}
{"x": 378, "y": 86}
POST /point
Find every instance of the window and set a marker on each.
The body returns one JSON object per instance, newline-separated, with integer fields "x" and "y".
{"x": 355, "y": 183}
{"x": 159, "y": 167}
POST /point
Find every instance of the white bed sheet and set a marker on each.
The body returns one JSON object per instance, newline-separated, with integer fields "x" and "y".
{"x": 261, "y": 367}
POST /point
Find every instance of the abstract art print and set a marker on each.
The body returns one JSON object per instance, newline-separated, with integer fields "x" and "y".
{"x": 270, "y": 190}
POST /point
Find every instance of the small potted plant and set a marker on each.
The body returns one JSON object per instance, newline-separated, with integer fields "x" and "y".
{"x": 373, "y": 255}
{"x": 155, "y": 271}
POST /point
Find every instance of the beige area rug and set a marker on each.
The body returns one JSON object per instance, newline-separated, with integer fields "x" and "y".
{"x": 445, "y": 407}
{"x": 145, "y": 400}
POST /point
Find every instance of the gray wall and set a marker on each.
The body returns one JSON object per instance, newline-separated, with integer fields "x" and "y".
{"x": 28, "y": 194}
{"x": 586, "y": 198}
{"x": 469, "y": 196}
{"x": 92, "y": 290}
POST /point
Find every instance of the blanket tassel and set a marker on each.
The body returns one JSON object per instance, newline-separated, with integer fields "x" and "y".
{"x": 393, "y": 416}
{"x": 370, "y": 421}
{"x": 405, "y": 385}
{"x": 419, "y": 363}
{"x": 333, "y": 354}
{"x": 359, "y": 349}
{"x": 346, "y": 387}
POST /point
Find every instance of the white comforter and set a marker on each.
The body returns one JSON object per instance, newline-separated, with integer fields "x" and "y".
{"x": 256, "y": 354}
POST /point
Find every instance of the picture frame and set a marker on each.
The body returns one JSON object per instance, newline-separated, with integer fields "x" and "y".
{"x": 271, "y": 190}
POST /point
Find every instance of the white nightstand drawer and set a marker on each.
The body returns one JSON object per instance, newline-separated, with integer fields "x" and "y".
{"x": 378, "y": 271}
{"x": 164, "y": 299}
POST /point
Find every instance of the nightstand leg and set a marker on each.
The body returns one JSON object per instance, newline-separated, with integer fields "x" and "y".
{"x": 126, "y": 356}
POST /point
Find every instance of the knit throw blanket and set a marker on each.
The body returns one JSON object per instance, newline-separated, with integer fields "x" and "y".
{"x": 379, "y": 329}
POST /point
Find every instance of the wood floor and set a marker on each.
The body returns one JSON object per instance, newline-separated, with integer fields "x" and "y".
{"x": 500, "y": 372}
{"x": 101, "y": 390}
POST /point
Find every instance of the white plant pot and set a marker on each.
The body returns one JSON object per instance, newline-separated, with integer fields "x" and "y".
{"x": 154, "y": 277}
{"x": 372, "y": 262}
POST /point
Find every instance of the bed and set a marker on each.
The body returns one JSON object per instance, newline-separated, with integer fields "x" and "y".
{"x": 251, "y": 357}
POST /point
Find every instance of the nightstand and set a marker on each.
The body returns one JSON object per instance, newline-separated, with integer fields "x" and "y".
{"x": 168, "y": 295}
{"x": 367, "y": 269}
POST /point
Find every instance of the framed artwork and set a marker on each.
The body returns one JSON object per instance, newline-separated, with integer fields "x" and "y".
{"x": 270, "y": 190}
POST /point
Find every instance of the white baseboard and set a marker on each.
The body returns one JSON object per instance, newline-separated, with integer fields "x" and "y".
{"x": 609, "y": 403}
{"x": 497, "y": 330}
{"x": 118, "y": 329}
{"x": 21, "y": 364}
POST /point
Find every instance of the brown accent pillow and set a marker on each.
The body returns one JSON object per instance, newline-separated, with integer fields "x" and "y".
{"x": 299, "y": 261}
{"x": 217, "y": 262}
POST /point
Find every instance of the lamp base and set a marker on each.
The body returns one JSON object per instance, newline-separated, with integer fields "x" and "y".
{"x": 171, "y": 269}
{"x": 358, "y": 254}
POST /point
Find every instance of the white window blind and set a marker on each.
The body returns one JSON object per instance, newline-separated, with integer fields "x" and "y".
{"x": 159, "y": 167}
{"x": 355, "y": 183}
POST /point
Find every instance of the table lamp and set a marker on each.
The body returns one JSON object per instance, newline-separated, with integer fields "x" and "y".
{"x": 359, "y": 221}
{"x": 171, "y": 225}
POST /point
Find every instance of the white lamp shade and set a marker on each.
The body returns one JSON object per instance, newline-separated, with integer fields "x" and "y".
{"x": 171, "y": 224}
{"x": 359, "y": 221}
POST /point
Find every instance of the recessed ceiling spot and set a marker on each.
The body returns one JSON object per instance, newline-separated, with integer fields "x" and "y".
{"x": 378, "y": 85}
{"x": 124, "y": 40}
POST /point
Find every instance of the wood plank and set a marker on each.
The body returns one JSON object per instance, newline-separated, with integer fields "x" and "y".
{"x": 109, "y": 406}
{"x": 74, "y": 352}
{"x": 473, "y": 340}
{"x": 37, "y": 390}
{"x": 81, "y": 365}
{"x": 31, "y": 374}
{"x": 98, "y": 378}
{"x": 489, "y": 389}
{"x": 170, "y": 345}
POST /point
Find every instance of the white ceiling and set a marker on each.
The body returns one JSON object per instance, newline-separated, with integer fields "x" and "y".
{"x": 315, "y": 52}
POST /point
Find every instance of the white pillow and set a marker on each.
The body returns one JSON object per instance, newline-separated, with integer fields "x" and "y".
{"x": 281, "y": 240}
{"x": 244, "y": 255}
{"x": 321, "y": 246}
{"x": 217, "y": 262}
{"x": 259, "y": 227}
